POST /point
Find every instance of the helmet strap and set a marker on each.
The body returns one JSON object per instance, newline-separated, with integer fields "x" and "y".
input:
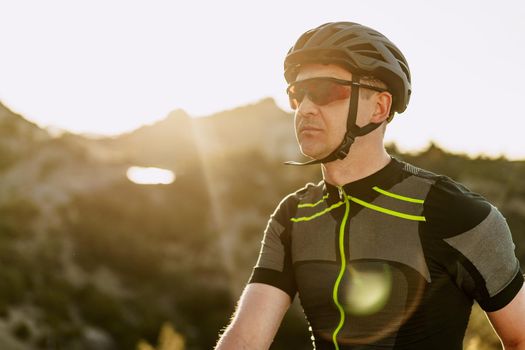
{"x": 352, "y": 131}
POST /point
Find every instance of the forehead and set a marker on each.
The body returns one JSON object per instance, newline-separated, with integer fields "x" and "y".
{"x": 314, "y": 70}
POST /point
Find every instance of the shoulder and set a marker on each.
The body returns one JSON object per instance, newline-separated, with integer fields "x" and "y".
{"x": 288, "y": 205}
{"x": 450, "y": 207}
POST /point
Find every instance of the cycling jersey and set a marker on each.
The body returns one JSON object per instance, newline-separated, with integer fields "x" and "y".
{"x": 391, "y": 261}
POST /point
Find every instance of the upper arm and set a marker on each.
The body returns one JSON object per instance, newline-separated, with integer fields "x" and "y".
{"x": 269, "y": 292}
{"x": 274, "y": 265}
{"x": 258, "y": 316}
{"x": 509, "y": 322}
{"x": 479, "y": 252}
{"x": 485, "y": 264}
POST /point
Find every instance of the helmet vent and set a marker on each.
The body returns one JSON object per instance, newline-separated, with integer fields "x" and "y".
{"x": 405, "y": 69}
{"x": 373, "y": 55}
{"x": 345, "y": 38}
{"x": 365, "y": 49}
{"x": 362, "y": 47}
{"x": 367, "y": 52}
{"x": 396, "y": 53}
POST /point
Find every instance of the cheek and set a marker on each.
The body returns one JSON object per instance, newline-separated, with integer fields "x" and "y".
{"x": 336, "y": 119}
{"x": 296, "y": 121}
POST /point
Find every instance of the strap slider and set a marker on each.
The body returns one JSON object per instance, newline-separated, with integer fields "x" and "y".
{"x": 343, "y": 150}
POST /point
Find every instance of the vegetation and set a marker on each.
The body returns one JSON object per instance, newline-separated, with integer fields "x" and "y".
{"x": 169, "y": 339}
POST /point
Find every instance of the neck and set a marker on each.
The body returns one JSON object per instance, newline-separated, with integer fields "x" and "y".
{"x": 359, "y": 163}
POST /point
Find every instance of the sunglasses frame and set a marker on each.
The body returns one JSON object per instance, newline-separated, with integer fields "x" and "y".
{"x": 335, "y": 80}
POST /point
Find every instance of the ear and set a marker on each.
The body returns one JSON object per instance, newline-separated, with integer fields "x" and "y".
{"x": 383, "y": 103}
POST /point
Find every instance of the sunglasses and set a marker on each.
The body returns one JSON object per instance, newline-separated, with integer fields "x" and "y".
{"x": 322, "y": 90}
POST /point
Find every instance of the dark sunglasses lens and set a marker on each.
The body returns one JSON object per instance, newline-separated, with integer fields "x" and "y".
{"x": 328, "y": 91}
{"x": 295, "y": 95}
{"x": 319, "y": 91}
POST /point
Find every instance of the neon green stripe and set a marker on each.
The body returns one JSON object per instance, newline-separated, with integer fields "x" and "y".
{"x": 340, "y": 277}
{"x": 397, "y": 196}
{"x": 308, "y": 218}
{"x": 387, "y": 211}
{"x": 311, "y": 205}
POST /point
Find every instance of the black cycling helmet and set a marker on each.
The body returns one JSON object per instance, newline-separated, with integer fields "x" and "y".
{"x": 359, "y": 49}
{"x": 365, "y": 53}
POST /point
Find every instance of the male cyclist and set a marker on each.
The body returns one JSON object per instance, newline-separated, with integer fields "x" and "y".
{"x": 382, "y": 254}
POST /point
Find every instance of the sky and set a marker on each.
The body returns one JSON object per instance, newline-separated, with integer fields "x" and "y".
{"x": 106, "y": 67}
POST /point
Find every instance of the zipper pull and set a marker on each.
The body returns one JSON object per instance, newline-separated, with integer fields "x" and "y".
{"x": 342, "y": 194}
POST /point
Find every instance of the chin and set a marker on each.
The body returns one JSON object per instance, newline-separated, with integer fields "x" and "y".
{"x": 313, "y": 148}
{"x": 316, "y": 153}
{"x": 311, "y": 153}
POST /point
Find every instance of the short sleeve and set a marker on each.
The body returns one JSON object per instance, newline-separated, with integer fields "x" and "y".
{"x": 274, "y": 265}
{"x": 494, "y": 275}
{"x": 481, "y": 256}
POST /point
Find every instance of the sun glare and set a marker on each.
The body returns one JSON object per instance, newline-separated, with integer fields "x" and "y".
{"x": 150, "y": 176}
{"x": 368, "y": 291}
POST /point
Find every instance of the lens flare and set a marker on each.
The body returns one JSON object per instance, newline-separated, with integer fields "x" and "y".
{"x": 150, "y": 176}
{"x": 377, "y": 298}
{"x": 368, "y": 291}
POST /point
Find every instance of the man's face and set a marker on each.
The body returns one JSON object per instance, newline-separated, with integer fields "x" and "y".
{"x": 320, "y": 129}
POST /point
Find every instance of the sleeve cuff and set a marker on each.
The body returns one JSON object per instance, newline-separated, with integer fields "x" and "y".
{"x": 274, "y": 278}
{"x": 504, "y": 297}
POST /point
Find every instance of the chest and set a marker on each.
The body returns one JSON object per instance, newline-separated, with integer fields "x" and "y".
{"x": 360, "y": 235}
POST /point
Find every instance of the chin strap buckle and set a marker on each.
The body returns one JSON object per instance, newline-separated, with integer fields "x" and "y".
{"x": 344, "y": 148}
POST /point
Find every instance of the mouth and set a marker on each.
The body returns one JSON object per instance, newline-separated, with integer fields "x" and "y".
{"x": 309, "y": 129}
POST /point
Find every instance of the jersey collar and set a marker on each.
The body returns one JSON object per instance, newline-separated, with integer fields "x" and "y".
{"x": 384, "y": 178}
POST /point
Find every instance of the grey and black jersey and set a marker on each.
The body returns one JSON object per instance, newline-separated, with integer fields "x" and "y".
{"x": 391, "y": 261}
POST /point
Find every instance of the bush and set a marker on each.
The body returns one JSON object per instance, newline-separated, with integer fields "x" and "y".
{"x": 21, "y": 331}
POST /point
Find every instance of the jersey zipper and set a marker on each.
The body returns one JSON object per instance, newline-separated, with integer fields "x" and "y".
{"x": 341, "y": 245}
